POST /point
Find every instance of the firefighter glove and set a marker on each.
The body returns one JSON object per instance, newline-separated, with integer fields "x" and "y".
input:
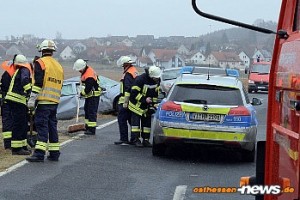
{"x": 32, "y": 100}
{"x": 126, "y": 100}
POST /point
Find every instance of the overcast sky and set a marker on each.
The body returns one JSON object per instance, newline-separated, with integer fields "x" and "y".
{"x": 77, "y": 19}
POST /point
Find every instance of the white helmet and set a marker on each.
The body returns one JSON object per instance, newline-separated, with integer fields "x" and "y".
{"x": 47, "y": 45}
{"x": 20, "y": 60}
{"x": 79, "y": 65}
{"x": 154, "y": 71}
{"x": 124, "y": 60}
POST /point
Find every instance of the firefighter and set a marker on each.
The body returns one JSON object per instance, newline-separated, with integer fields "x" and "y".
{"x": 44, "y": 99}
{"x": 17, "y": 95}
{"x": 124, "y": 114}
{"x": 7, "y": 120}
{"x": 143, "y": 98}
{"x": 91, "y": 91}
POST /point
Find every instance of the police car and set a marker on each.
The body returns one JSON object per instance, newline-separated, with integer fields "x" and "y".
{"x": 203, "y": 109}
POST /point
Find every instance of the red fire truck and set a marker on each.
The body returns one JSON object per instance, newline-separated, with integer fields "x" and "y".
{"x": 277, "y": 158}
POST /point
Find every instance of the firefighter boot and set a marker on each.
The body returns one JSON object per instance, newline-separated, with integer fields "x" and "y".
{"x": 146, "y": 143}
{"x": 90, "y": 131}
{"x": 20, "y": 151}
{"x": 53, "y": 156}
{"x": 36, "y": 157}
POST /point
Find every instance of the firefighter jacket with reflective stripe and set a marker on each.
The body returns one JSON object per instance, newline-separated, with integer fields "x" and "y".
{"x": 126, "y": 82}
{"x": 142, "y": 88}
{"x": 52, "y": 75}
{"x": 9, "y": 70}
{"x": 20, "y": 85}
{"x": 90, "y": 83}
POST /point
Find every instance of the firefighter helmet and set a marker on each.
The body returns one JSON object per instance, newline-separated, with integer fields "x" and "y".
{"x": 154, "y": 72}
{"x": 124, "y": 60}
{"x": 79, "y": 64}
{"x": 20, "y": 59}
{"x": 47, "y": 45}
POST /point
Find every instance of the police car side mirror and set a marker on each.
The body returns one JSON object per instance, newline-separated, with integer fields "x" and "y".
{"x": 256, "y": 102}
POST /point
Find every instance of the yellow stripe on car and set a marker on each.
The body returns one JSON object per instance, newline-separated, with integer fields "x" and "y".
{"x": 190, "y": 108}
{"x": 204, "y": 135}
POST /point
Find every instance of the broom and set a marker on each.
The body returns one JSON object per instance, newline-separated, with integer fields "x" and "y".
{"x": 78, "y": 126}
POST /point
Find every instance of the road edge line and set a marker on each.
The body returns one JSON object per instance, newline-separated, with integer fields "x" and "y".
{"x": 23, "y": 162}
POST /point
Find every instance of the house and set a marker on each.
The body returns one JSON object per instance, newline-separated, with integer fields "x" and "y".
{"x": 127, "y": 42}
{"x": 224, "y": 60}
{"x": 261, "y": 55}
{"x": 182, "y": 50}
{"x": 143, "y": 62}
{"x": 166, "y": 58}
{"x": 246, "y": 60}
{"x": 196, "y": 58}
{"x": 67, "y": 54}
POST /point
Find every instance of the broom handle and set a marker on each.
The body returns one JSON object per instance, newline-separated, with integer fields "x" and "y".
{"x": 78, "y": 103}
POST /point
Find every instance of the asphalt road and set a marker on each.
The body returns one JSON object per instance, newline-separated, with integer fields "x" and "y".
{"x": 92, "y": 167}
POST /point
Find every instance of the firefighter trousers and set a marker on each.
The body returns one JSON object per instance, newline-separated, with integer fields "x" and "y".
{"x": 90, "y": 113}
{"x": 20, "y": 126}
{"x": 124, "y": 118}
{"x": 140, "y": 126}
{"x": 46, "y": 127}
{"x": 7, "y": 124}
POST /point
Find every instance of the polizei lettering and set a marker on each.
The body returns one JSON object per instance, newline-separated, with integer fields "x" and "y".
{"x": 54, "y": 80}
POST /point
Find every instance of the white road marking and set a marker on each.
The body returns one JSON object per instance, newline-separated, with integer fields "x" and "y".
{"x": 179, "y": 192}
{"x": 20, "y": 164}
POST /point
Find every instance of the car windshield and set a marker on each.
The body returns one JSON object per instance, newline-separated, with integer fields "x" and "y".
{"x": 107, "y": 82}
{"x": 170, "y": 74}
{"x": 206, "y": 94}
{"x": 261, "y": 68}
{"x": 67, "y": 90}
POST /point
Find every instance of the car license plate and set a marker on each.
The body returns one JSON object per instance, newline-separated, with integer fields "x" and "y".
{"x": 205, "y": 117}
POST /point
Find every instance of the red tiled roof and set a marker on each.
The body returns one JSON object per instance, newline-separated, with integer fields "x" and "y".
{"x": 164, "y": 54}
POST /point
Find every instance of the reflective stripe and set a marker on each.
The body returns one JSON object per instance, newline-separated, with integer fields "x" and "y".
{"x": 189, "y": 108}
{"x": 15, "y": 97}
{"x": 53, "y": 146}
{"x": 49, "y": 96}
{"x": 135, "y": 129}
{"x": 121, "y": 87}
{"x": 121, "y": 99}
{"x": 136, "y": 88}
{"x": 16, "y": 144}
{"x": 36, "y": 89}
{"x": 204, "y": 135}
{"x": 27, "y": 87}
{"x": 127, "y": 94}
{"x": 41, "y": 146}
{"x": 135, "y": 109}
{"x": 91, "y": 124}
{"x": 6, "y": 134}
{"x": 146, "y": 130}
{"x": 91, "y": 94}
{"x": 86, "y": 121}
{"x": 138, "y": 97}
{"x": 145, "y": 88}
{"x": 24, "y": 143}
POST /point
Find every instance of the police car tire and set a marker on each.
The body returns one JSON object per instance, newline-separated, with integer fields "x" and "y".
{"x": 158, "y": 149}
{"x": 248, "y": 156}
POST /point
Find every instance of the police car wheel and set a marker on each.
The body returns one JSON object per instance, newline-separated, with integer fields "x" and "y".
{"x": 158, "y": 149}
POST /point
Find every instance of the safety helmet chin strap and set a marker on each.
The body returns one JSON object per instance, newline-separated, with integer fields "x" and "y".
{"x": 126, "y": 67}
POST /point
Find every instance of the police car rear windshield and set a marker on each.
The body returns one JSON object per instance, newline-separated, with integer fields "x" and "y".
{"x": 206, "y": 94}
